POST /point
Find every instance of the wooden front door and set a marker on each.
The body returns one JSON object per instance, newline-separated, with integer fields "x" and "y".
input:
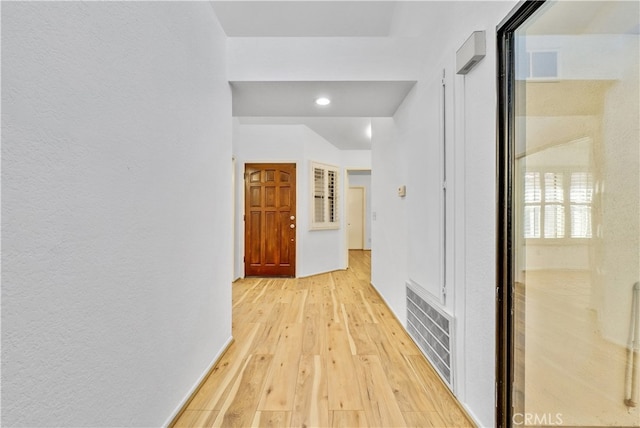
{"x": 270, "y": 220}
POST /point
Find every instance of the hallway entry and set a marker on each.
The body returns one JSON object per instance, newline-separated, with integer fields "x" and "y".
{"x": 320, "y": 351}
{"x": 270, "y": 220}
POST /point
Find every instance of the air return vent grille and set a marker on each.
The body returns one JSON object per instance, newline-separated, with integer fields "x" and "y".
{"x": 431, "y": 328}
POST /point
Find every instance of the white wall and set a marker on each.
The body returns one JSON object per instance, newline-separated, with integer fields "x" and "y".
{"x": 619, "y": 224}
{"x": 356, "y": 159}
{"x": 418, "y": 122}
{"x": 317, "y": 251}
{"x": 116, "y": 213}
{"x": 580, "y": 57}
{"x": 296, "y": 58}
{"x": 407, "y": 233}
{"x": 389, "y": 216}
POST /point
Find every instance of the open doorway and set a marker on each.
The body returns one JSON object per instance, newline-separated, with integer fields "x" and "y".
{"x": 358, "y": 210}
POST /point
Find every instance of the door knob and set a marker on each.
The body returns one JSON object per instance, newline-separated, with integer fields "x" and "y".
{"x": 292, "y": 217}
{"x": 292, "y": 226}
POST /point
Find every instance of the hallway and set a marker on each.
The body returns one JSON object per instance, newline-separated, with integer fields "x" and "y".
{"x": 317, "y": 352}
{"x": 502, "y": 143}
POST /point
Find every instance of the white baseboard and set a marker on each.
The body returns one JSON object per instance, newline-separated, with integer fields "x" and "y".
{"x": 202, "y": 377}
{"x": 470, "y": 413}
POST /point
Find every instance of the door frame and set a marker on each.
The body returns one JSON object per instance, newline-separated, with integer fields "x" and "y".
{"x": 344, "y": 208}
{"x": 241, "y": 195}
{"x": 234, "y": 209}
{"x": 505, "y": 242}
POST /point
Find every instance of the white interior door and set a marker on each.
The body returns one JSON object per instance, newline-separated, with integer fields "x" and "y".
{"x": 355, "y": 217}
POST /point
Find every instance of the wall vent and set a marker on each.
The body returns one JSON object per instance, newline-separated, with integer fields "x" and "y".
{"x": 432, "y": 329}
{"x": 538, "y": 65}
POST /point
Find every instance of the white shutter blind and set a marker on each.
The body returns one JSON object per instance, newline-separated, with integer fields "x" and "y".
{"x": 332, "y": 206}
{"x": 581, "y": 196}
{"x": 318, "y": 195}
{"x": 532, "y": 189}
{"x": 533, "y": 201}
{"x": 554, "y": 208}
{"x": 325, "y": 189}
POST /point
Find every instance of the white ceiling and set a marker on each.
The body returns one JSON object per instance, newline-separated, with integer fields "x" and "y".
{"x": 348, "y": 99}
{"x": 346, "y": 133}
{"x": 343, "y": 123}
{"x": 354, "y": 103}
{"x": 305, "y": 18}
{"x": 596, "y": 17}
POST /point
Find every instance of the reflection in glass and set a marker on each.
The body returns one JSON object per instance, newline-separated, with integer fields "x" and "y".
{"x": 577, "y": 209}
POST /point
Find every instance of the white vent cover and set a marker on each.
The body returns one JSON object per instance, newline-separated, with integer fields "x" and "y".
{"x": 471, "y": 52}
{"x": 432, "y": 329}
{"x": 538, "y": 65}
{"x": 544, "y": 65}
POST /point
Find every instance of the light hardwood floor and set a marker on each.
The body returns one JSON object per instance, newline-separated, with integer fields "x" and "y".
{"x": 569, "y": 368}
{"x": 323, "y": 351}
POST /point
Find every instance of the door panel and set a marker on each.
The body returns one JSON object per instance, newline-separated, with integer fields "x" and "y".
{"x": 270, "y": 213}
{"x": 355, "y": 221}
{"x": 571, "y": 226}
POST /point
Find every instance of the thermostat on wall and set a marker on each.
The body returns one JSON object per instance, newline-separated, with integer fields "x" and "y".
{"x": 402, "y": 191}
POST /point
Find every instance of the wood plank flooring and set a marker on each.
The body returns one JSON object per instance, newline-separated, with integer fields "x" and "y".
{"x": 566, "y": 364}
{"x": 323, "y": 351}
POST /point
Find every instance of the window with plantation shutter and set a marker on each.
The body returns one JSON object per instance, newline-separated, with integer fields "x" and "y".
{"x": 324, "y": 190}
{"x": 580, "y": 196}
{"x": 557, "y": 204}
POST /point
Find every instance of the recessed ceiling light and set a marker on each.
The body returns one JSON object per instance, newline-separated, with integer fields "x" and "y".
{"x": 323, "y": 101}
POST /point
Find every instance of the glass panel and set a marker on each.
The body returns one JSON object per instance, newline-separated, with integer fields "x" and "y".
{"x": 577, "y": 211}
